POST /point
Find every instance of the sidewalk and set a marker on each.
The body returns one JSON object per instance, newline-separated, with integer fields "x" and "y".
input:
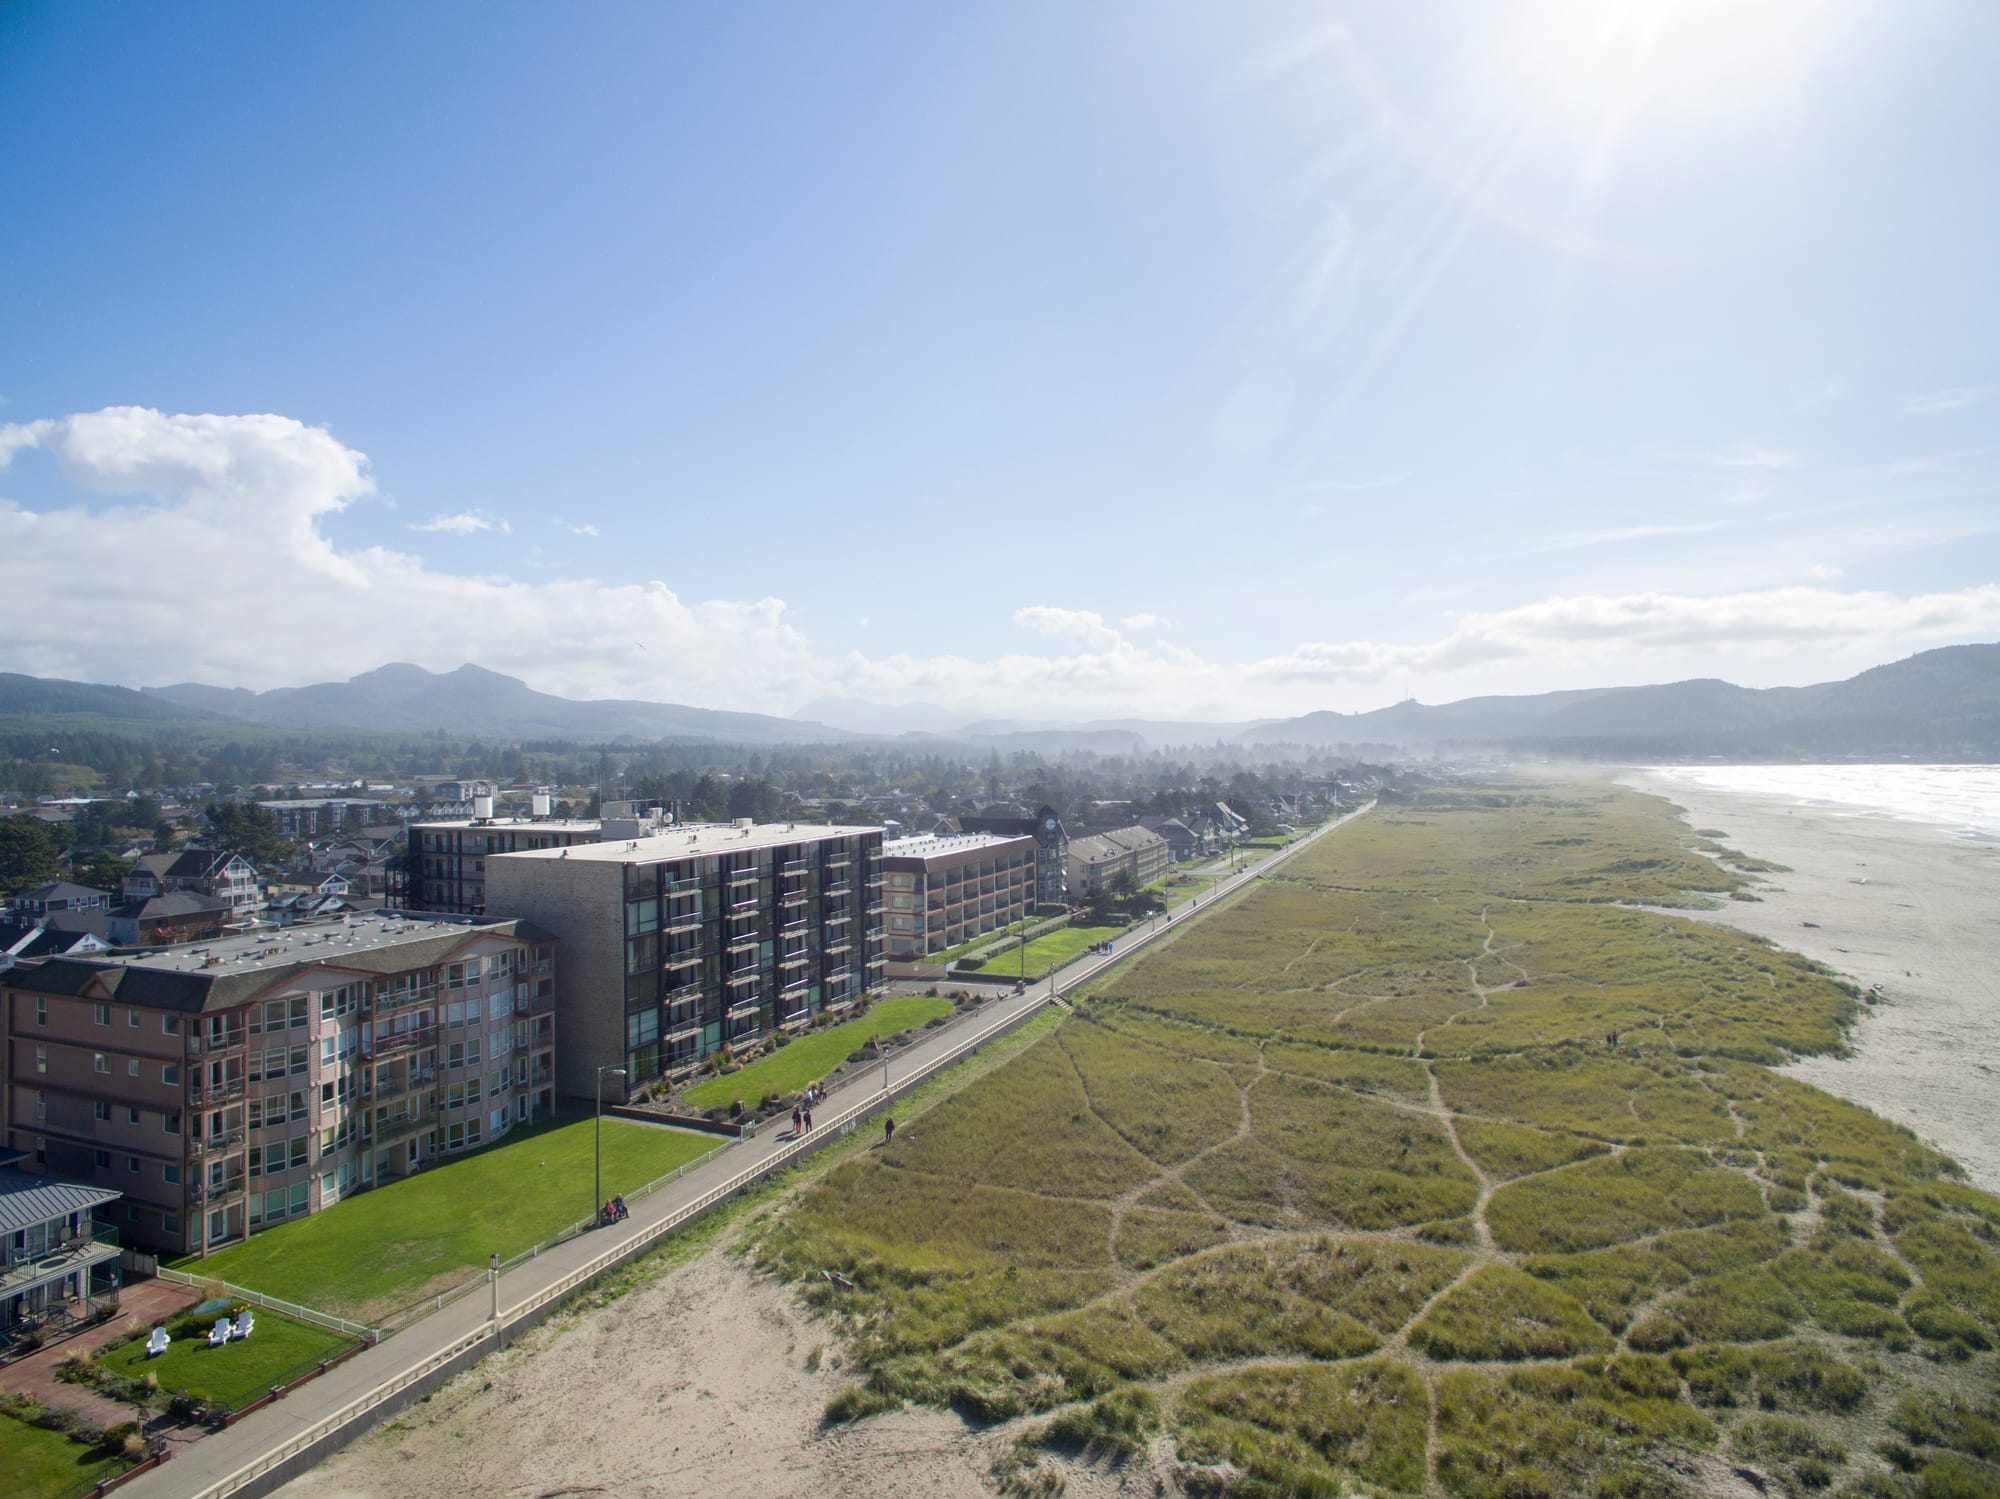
{"x": 198, "y": 1468}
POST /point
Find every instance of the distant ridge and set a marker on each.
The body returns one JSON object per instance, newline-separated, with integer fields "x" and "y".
{"x": 1942, "y": 704}
{"x": 401, "y": 698}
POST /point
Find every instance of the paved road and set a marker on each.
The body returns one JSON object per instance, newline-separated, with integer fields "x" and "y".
{"x": 213, "y": 1459}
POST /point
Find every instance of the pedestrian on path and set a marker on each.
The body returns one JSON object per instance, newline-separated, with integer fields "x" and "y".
{"x": 798, "y": 1118}
{"x": 809, "y": 1121}
{"x": 888, "y": 1129}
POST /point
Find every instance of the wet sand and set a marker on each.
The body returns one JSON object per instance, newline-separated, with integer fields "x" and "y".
{"x": 1908, "y": 906}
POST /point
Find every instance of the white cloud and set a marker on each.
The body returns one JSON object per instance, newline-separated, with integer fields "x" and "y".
{"x": 1954, "y": 398}
{"x": 465, "y": 523}
{"x": 1075, "y": 624}
{"x": 1145, "y": 622}
{"x": 580, "y": 528}
{"x": 239, "y": 579}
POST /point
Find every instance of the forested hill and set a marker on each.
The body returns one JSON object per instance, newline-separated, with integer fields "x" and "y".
{"x": 1940, "y": 705}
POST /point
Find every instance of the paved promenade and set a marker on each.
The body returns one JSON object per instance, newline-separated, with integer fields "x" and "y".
{"x": 216, "y": 1465}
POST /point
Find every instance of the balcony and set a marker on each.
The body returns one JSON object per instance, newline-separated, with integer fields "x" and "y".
{"x": 746, "y": 976}
{"x": 795, "y": 866}
{"x": 841, "y": 860}
{"x": 229, "y": 1041}
{"x": 24, "y": 1268}
{"x": 423, "y": 1035}
{"x": 223, "y": 1192}
{"x": 228, "y": 1088}
{"x": 839, "y": 887}
{"x": 744, "y": 940}
{"x": 199, "y": 1145}
{"x": 401, "y": 1123}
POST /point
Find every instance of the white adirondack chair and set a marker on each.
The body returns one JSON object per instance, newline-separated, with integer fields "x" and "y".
{"x": 220, "y": 1333}
{"x": 157, "y": 1343}
{"x": 244, "y": 1322}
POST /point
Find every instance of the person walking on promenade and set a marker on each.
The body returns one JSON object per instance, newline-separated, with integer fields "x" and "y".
{"x": 888, "y": 1129}
{"x": 798, "y": 1118}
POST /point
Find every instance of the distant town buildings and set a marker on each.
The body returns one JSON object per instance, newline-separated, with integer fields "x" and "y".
{"x": 946, "y": 890}
{"x": 679, "y": 943}
{"x": 228, "y": 1087}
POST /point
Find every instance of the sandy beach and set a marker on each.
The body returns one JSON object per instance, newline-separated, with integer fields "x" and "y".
{"x": 705, "y": 1380}
{"x": 1906, "y": 905}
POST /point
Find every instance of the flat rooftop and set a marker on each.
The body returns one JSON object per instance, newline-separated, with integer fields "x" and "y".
{"x": 688, "y": 840}
{"x": 296, "y": 944}
{"x": 934, "y": 845}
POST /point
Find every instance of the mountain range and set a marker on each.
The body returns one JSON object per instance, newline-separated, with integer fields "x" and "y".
{"x": 1942, "y": 704}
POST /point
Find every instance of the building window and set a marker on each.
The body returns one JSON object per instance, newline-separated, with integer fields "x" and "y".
{"x": 131, "y": 1115}
{"x": 41, "y": 1059}
{"x": 41, "y": 1010}
{"x": 102, "y": 1159}
{"x": 131, "y": 1066}
{"x": 170, "y": 1025}
{"x": 170, "y": 1074}
{"x": 132, "y": 1164}
{"x": 170, "y": 1174}
{"x": 100, "y": 1063}
{"x": 132, "y": 1019}
{"x": 100, "y": 1110}
{"x": 171, "y": 1123}
{"x": 170, "y": 1225}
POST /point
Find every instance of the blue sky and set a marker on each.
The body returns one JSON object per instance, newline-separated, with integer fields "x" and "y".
{"x": 1067, "y": 361}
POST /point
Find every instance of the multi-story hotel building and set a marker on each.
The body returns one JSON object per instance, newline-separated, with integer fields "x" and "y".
{"x": 946, "y": 890}
{"x": 231, "y": 1086}
{"x": 679, "y": 944}
{"x": 1095, "y": 862}
{"x": 448, "y": 858}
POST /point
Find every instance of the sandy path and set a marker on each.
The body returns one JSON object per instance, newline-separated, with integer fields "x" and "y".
{"x": 695, "y": 1383}
{"x": 1922, "y": 926}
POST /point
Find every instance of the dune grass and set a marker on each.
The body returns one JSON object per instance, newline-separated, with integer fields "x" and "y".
{"x": 810, "y": 1056}
{"x": 1431, "y": 1166}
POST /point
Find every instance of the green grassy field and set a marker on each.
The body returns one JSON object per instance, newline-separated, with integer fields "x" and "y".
{"x": 1428, "y": 1166}
{"x": 812, "y": 1055}
{"x": 383, "y": 1249}
{"x": 278, "y": 1350}
{"x": 42, "y": 1464}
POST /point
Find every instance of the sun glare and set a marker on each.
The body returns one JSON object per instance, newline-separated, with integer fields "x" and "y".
{"x": 1600, "y": 58}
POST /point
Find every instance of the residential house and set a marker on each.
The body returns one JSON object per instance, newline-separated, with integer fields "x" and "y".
{"x": 59, "y": 895}
{"x": 223, "y": 876}
{"x": 57, "y": 1262}
{"x": 163, "y": 920}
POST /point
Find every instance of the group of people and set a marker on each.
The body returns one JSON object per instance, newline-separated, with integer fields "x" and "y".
{"x": 1100, "y": 947}
{"x": 802, "y": 1111}
{"x": 615, "y": 1210}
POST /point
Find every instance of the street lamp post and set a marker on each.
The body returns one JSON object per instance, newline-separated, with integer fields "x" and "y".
{"x": 493, "y": 1280}
{"x": 597, "y": 1188}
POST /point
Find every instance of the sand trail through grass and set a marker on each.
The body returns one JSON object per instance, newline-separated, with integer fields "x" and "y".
{"x": 1445, "y": 1046}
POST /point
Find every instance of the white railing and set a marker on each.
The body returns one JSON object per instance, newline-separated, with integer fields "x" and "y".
{"x": 269, "y": 1303}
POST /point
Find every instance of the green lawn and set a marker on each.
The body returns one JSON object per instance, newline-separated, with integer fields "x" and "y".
{"x": 277, "y": 1351}
{"x": 813, "y": 1055}
{"x": 371, "y": 1254}
{"x": 43, "y": 1464}
{"x": 1054, "y": 950}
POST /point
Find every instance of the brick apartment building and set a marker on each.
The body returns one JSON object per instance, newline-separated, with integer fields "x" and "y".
{"x": 678, "y": 944}
{"x": 946, "y": 890}
{"x": 228, "y": 1087}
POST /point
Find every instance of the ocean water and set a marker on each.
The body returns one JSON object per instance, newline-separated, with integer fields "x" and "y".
{"x": 1962, "y": 798}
